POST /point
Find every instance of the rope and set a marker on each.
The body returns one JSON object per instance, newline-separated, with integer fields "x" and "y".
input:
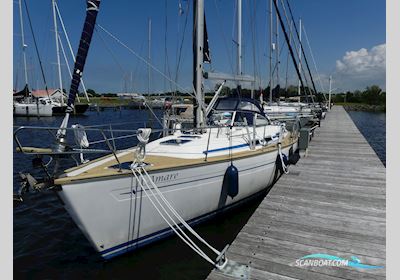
{"x": 80, "y": 135}
{"x": 174, "y": 226}
{"x": 285, "y": 168}
{"x": 81, "y": 139}
{"x": 143, "y": 135}
{"x": 191, "y": 230}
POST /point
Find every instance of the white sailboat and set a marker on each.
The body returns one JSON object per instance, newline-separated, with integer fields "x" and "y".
{"x": 125, "y": 200}
{"x": 24, "y": 104}
{"x": 33, "y": 107}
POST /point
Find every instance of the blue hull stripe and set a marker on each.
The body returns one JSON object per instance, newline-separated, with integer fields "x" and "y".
{"x": 226, "y": 148}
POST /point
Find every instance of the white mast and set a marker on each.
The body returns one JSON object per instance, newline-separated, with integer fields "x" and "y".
{"x": 239, "y": 38}
{"x": 330, "y": 92}
{"x": 199, "y": 61}
{"x": 58, "y": 52}
{"x": 23, "y": 41}
{"x": 149, "y": 57}
{"x": 300, "y": 51}
{"x": 270, "y": 51}
{"x": 277, "y": 47}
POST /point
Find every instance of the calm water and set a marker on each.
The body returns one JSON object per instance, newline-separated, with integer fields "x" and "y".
{"x": 48, "y": 245}
{"x": 373, "y": 127}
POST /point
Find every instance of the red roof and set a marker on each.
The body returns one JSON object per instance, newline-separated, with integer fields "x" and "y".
{"x": 43, "y": 92}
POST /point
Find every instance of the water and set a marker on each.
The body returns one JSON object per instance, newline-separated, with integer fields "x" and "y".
{"x": 373, "y": 126}
{"x": 48, "y": 245}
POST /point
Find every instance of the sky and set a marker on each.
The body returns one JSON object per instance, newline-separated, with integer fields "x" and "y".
{"x": 347, "y": 38}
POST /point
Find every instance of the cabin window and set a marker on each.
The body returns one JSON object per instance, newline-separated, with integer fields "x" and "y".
{"x": 261, "y": 120}
{"x": 240, "y": 116}
{"x": 177, "y": 141}
{"x": 248, "y": 106}
{"x": 226, "y": 105}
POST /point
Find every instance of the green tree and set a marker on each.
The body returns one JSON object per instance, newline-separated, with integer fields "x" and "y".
{"x": 91, "y": 92}
{"x": 372, "y": 95}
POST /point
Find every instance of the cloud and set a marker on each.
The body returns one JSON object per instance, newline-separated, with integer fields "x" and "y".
{"x": 362, "y": 68}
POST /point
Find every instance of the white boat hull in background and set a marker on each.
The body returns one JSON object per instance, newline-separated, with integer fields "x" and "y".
{"x": 33, "y": 109}
{"x": 116, "y": 216}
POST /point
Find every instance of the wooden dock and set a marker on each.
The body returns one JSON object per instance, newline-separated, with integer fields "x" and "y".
{"x": 332, "y": 202}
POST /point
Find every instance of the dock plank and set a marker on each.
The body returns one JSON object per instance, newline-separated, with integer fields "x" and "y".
{"x": 332, "y": 202}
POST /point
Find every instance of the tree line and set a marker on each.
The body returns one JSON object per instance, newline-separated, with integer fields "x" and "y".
{"x": 372, "y": 95}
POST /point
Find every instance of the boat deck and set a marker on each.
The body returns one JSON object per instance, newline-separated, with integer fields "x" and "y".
{"x": 107, "y": 166}
{"x": 332, "y": 202}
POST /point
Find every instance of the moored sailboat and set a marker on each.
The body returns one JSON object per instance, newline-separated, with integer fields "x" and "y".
{"x": 24, "y": 104}
{"x": 125, "y": 199}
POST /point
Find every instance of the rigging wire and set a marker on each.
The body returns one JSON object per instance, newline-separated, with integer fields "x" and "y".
{"x": 287, "y": 58}
{"x": 137, "y": 67}
{"x": 312, "y": 56}
{"x": 252, "y": 27}
{"x": 220, "y": 25}
{"x": 301, "y": 70}
{"x": 121, "y": 68}
{"x": 66, "y": 60}
{"x": 70, "y": 48}
{"x": 143, "y": 59}
{"x": 179, "y": 52}
{"x": 302, "y": 50}
{"x": 165, "y": 44}
{"x": 36, "y": 49}
{"x": 17, "y": 71}
{"x": 287, "y": 39}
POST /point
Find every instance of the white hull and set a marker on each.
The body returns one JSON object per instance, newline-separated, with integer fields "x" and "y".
{"x": 114, "y": 219}
{"x": 277, "y": 109}
{"x": 33, "y": 109}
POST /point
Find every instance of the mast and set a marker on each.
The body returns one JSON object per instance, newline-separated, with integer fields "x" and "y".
{"x": 277, "y": 50}
{"x": 239, "y": 38}
{"x": 57, "y": 51}
{"x": 270, "y": 51}
{"x": 298, "y": 87}
{"x": 288, "y": 44}
{"x": 149, "y": 57}
{"x": 84, "y": 44}
{"x": 330, "y": 92}
{"x": 198, "y": 42}
{"x": 23, "y": 42}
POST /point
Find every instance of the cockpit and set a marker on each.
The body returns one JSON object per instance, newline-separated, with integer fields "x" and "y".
{"x": 237, "y": 111}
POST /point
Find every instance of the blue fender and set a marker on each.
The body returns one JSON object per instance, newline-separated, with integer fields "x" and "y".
{"x": 231, "y": 181}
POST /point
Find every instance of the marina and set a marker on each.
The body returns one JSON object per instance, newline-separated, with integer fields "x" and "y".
{"x": 331, "y": 202}
{"x": 240, "y": 167}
